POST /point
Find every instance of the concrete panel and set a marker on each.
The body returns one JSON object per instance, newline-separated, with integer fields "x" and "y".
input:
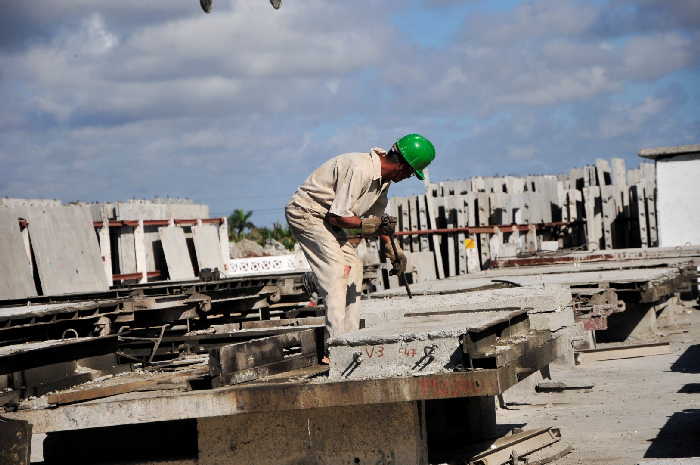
{"x": 66, "y": 250}
{"x": 206, "y": 245}
{"x": 16, "y": 280}
{"x": 127, "y": 250}
{"x": 370, "y": 434}
{"x": 177, "y": 256}
{"x": 423, "y": 264}
{"x": 418, "y": 345}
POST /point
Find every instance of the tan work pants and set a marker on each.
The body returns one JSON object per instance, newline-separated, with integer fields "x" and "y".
{"x": 336, "y": 266}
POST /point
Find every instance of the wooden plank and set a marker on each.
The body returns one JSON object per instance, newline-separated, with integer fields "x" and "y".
{"x": 310, "y": 321}
{"x": 177, "y": 255}
{"x": 16, "y": 279}
{"x": 614, "y": 353}
{"x": 65, "y": 246}
{"x": 81, "y": 395}
{"x": 206, "y": 245}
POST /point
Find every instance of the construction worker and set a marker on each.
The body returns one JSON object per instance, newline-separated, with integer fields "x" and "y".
{"x": 342, "y": 200}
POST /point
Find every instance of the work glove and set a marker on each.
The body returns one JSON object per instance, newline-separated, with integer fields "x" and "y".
{"x": 370, "y": 226}
{"x": 398, "y": 260}
{"x": 374, "y": 226}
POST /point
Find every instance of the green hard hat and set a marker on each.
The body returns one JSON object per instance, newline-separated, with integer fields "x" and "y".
{"x": 417, "y": 151}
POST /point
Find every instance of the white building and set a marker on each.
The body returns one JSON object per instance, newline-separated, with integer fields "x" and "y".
{"x": 678, "y": 193}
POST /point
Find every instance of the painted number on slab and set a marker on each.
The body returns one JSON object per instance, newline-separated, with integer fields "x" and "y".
{"x": 374, "y": 351}
{"x": 407, "y": 351}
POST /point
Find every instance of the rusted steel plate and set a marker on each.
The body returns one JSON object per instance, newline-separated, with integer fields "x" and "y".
{"x": 595, "y": 323}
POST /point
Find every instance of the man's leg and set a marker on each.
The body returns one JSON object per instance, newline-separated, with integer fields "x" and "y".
{"x": 327, "y": 262}
{"x": 353, "y": 292}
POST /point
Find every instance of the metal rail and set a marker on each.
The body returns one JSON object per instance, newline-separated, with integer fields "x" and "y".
{"x": 482, "y": 229}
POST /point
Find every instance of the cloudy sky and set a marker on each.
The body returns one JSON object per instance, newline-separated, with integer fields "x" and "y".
{"x": 118, "y": 99}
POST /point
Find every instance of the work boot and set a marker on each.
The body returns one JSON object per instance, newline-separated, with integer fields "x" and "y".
{"x": 206, "y": 5}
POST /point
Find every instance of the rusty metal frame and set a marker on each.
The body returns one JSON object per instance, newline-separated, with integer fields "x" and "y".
{"x": 482, "y": 229}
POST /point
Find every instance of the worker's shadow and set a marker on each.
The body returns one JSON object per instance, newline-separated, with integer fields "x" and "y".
{"x": 678, "y": 437}
{"x": 689, "y": 361}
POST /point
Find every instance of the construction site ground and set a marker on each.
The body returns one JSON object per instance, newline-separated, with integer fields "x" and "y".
{"x": 638, "y": 409}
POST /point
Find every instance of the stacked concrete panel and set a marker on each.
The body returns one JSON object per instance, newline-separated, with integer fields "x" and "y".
{"x": 598, "y": 206}
{"x": 49, "y": 248}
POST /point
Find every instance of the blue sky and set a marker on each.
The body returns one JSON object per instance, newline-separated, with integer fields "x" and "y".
{"x": 110, "y": 100}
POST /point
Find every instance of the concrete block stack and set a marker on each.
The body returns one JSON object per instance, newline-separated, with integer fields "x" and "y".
{"x": 598, "y": 206}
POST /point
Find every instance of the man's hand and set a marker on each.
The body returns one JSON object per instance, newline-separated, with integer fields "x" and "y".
{"x": 371, "y": 226}
{"x": 398, "y": 260}
{"x": 388, "y": 226}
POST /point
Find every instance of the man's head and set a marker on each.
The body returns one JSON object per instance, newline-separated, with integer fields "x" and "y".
{"x": 408, "y": 156}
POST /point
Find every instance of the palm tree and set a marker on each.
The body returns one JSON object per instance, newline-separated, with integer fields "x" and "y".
{"x": 238, "y": 221}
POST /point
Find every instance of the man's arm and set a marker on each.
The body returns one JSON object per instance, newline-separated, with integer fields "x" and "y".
{"x": 345, "y": 222}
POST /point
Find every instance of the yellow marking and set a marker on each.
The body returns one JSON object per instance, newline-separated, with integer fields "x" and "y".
{"x": 469, "y": 244}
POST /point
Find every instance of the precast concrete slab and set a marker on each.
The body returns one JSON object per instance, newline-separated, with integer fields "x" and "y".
{"x": 65, "y": 246}
{"x": 177, "y": 256}
{"x": 537, "y": 299}
{"x": 533, "y": 276}
{"x": 416, "y": 345}
{"x": 16, "y": 280}
{"x": 372, "y": 434}
{"x": 206, "y": 244}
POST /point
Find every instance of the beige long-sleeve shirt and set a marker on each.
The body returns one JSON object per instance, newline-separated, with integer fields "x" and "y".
{"x": 350, "y": 184}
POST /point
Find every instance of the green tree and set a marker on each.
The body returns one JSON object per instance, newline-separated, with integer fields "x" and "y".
{"x": 278, "y": 232}
{"x": 238, "y": 222}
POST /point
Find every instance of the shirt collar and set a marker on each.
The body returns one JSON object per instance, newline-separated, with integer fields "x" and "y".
{"x": 374, "y": 155}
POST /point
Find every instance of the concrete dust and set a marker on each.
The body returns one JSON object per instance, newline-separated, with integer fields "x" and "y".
{"x": 641, "y": 407}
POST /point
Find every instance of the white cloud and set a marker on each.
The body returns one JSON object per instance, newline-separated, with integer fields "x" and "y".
{"x": 521, "y": 153}
{"x": 108, "y": 99}
{"x": 626, "y": 119}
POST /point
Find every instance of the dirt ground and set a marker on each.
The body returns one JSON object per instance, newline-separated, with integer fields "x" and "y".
{"x": 646, "y": 407}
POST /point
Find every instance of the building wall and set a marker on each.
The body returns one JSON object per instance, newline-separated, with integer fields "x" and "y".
{"x": 678, "y": 200}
